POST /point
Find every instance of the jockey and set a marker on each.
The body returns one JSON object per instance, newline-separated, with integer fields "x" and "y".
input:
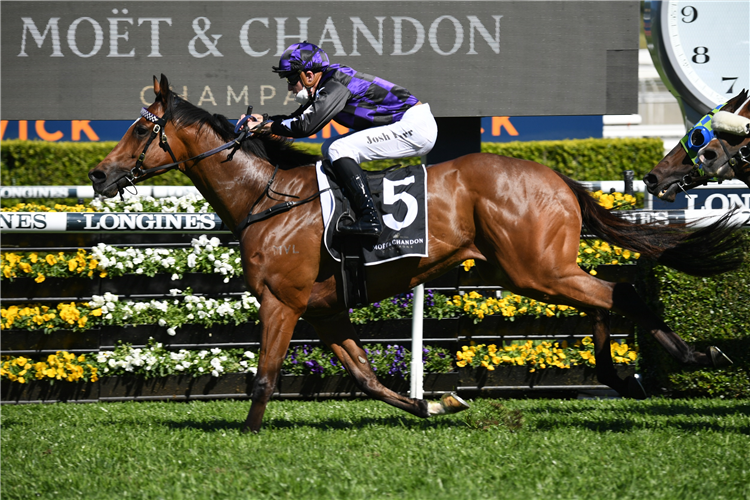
{"x": 388, "y": 122}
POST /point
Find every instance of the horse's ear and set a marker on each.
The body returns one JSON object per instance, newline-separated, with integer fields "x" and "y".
{"x": 166, "y": 95}
{"x": 157, "y": 87}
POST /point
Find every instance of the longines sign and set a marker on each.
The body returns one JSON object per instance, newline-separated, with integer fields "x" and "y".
{"x": 111, "y": 222}
{"x": 66, "y": 60}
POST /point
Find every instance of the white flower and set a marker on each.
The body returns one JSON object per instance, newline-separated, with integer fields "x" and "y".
{"x": 171, "y": 332}
{"x": 249, "y": 354}
{"x": 175, "y": 292}
{"x": 162, "y": 322}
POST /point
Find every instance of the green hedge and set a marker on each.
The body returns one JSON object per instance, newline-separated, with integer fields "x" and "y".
{"x": 29, "y": 163}
{"x": 704, "y": 312}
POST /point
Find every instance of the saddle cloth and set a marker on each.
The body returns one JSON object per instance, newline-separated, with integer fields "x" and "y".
{"x": 400, "y": 197}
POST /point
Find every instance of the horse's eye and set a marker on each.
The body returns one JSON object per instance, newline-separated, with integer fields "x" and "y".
{"x": 140, "y": 131}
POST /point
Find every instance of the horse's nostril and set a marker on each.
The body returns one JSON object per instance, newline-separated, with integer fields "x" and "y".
{"x": 709, "y": 154}
{"x": 97, "y": 176}
{"x": 650, "y": 180}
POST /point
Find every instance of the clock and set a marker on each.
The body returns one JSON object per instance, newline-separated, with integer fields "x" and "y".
{"x": 701, "y": 49}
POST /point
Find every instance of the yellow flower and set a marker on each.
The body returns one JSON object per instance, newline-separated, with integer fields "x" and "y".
{"x": 39, "y": 277}
{"x": 51, "y": 260}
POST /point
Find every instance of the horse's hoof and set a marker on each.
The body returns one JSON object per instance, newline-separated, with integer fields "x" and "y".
{"x": 718, "y": 358}
{"x": 635, "y": 388}
{"x": 449, "y": 403}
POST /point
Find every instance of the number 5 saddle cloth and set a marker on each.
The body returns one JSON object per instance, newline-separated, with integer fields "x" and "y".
{"x": 400, "y": 197}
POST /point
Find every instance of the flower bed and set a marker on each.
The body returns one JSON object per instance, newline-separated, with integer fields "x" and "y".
{"x": 95, "y": 329}
{"x": 308, "y": 371}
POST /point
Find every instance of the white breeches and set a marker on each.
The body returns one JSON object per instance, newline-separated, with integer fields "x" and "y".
{"x": 414, "y": 135}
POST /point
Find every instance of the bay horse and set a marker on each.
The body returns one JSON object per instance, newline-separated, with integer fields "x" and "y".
{"x": 519, "y": 220}
{"x": 725, "y": 156}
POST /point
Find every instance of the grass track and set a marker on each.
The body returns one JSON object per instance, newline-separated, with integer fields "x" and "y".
{"x": 597, "y": 449}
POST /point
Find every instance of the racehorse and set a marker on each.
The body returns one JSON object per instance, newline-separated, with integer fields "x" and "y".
{"x": 721, "y": 153}
{"x": 519, "y": 220}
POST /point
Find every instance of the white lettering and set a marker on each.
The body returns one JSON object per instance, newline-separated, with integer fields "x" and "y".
{"x": 398, "y": 36}
{"x": 458, "y": 35}
{"x": 114, "y": 224}
{"x": 207, "y": 96}
{"x": 476, "y": 24}
{"x": 281, "y": 35}
{"x": 115, "y": 35}
{"x": 330, "y": 28}
{"x": 89, "y": 218}
{"x": 231, "y": 95}
{"x": 208, "y": 221}
{"x": 155, "y": 32}
{"x": 263, "y": 96}
{"x": 51, "y": 28}
{"x": 200, "y": 36}
{"x": 359, "y": 27}
{"x": 245, "y": 39}
{"x": 145, "y": 221}
{"x": 98, "y": 37}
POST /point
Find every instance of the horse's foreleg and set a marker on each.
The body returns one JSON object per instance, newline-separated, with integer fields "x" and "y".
{"x": 278, "y": 321}
{"x": 626, "y": 301}
{"x": 338, "y": 333}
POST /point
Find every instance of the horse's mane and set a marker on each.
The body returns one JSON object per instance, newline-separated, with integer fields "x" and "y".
{"x": 274, "y": 149}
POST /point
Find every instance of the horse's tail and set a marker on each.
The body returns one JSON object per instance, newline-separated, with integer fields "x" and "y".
{"x": 708, "y": 251}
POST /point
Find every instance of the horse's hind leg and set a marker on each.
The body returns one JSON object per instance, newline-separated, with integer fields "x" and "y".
{"x": 625, "y": 300}
{"x": 576, "y": 289}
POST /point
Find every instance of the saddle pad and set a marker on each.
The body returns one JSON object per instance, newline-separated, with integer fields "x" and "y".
{"x": 400, "y": 197}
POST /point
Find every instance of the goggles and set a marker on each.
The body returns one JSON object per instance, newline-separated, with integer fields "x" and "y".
{"x": 293, "y": 78}
{"x": 700, "y": 135}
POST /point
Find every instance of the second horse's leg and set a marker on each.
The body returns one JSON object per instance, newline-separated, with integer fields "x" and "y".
{"x": 605, "y": 368}
{"x": 626, "y": 301}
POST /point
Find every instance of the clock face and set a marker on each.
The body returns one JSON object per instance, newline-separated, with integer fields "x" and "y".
{"x": 708, "y": 46}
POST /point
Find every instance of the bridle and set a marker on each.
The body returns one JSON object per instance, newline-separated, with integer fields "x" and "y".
{"x": 138, "y": 173}
{"x": 741, "y": 158}
{"x": 737, "y": 161}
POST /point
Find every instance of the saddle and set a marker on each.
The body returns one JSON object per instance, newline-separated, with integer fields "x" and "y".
{"x": 400, "y": 197}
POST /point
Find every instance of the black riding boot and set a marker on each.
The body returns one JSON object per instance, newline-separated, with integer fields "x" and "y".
{"x": 353, "y": 182}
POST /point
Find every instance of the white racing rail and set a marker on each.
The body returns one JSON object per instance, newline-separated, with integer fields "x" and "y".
{"x": 186, "y": 223}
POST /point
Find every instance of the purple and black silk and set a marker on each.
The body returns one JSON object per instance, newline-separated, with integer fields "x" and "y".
{"x": 353, "y": 99}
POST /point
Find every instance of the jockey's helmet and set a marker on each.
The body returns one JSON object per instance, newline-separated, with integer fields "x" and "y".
{"x": 301, "y": 57}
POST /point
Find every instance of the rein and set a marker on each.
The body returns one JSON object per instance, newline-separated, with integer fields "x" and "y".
{"x": 137, "y": 172}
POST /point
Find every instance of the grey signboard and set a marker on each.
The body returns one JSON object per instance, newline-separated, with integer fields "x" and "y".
{"x": 64, "y": 60}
